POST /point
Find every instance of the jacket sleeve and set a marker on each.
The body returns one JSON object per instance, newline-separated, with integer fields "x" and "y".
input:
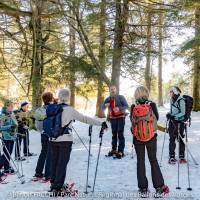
{"x": 107, "y": 100}
{"x": 5, "y": 128}
{"x": 182, "y": 110}
{"x": 131, "y": 111}
{"x": 155, "y": 110}
{"x": 85, "y": 119}
{"x": 124, "y": 103}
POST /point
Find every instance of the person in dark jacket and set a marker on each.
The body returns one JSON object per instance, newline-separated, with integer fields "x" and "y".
{"x": 141, "y": 97}
{"x": 61, "y": 146}
{"x": 117, "y": 106}
{"x": 45, "y": 155}
{"x": 23, "y": 134}
{"x": 8, "y": 128}
{"x": 176, "y": 125}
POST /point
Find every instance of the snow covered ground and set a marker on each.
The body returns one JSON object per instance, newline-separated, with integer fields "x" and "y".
{"x": 116, "y": 179}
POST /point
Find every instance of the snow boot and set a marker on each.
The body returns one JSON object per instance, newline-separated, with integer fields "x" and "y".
{"x": 111, "y": 153}
{"x": 119, "y": 155}
{"x": 37, "y": 177}
{"x": 9, "y": 171}
{"x": 183, "y": 161}
{"x": 172, "y": 161}
{"x": 161, "y": 191}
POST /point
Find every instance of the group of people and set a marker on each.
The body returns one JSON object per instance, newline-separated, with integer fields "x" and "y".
{"x": 13, "y": 131}
{"x": 55, "y": 151}
{"x": 144, "y": 116}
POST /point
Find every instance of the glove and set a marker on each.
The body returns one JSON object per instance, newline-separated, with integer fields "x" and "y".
{"x": 25, "y": 127}
{"x": 169, "y": 116}
{"x": 104, "y": 125}
{"x": 13, "y": 127}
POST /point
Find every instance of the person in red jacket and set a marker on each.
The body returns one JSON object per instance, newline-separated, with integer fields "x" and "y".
{"x": 117, "y": 106}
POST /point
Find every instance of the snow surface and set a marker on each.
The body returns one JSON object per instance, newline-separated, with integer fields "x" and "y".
{"x": 115, "y": 177}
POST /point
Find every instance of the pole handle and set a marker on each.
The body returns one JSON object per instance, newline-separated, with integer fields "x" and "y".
{"x": 90, "y": 130}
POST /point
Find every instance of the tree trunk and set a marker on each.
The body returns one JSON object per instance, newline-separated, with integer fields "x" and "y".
{"x": 37, "y": 57}
{"x": 148, "y": 52}
{"x": 72, "y": 46}
{"x": 102, "y": 47}
{"x": 120, "y": 24}
{"x": 196, "y": 68}
{"x": 160, "y": 61}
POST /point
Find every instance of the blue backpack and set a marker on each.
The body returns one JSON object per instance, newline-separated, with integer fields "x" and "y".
{"x": 52, "y": 124}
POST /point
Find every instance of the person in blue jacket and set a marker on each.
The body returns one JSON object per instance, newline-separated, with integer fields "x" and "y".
{"x": 117, "y": 106}
{"x": 8, "y": 128}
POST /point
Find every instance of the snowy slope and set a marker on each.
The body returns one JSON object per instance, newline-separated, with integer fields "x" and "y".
{"x": 115, "y": 177}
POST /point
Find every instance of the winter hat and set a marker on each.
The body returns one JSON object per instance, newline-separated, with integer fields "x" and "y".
{"x": 24, "y": 103}
{"x": 7, "y": 103}
{"x": 176, "y": 90}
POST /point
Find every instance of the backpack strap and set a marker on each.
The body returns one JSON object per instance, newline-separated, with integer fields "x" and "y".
{"x": 178, "y": 101}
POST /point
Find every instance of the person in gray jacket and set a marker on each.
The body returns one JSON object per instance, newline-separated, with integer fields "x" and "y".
{"x": 176, "y": 124}
{"x": 62, "y": 146}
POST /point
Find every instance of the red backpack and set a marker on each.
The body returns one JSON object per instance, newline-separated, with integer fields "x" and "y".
{"x": 144, "y": 122}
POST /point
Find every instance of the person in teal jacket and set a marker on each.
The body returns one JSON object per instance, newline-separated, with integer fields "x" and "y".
{"x": 176, "y": 118}
{"x": 8, "y": 127}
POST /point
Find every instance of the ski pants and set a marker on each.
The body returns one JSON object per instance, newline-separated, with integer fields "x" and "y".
{"x": 173, "y": 135}
{"x": 25, "y": 139}
{"x": 117, "y": 126}
{"x": 5, "y": 158}
{"x": 60, "y": 157}
{"x": 156, "y": 174}
{"x": 44, "y": 157}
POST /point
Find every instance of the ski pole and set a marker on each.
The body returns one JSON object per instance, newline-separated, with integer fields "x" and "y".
{"x": 27, "y": 147}
{"x": 19, "y": 146}
{"x": 166, "y": 130}
{"x": 20, "y": 177}
{"x": 188, "y": 167}
{"x": 100, "y": 144}
{"x": 88, "y": 164}
{"x": 189, "y": 152}
{"x": 178, "y": 187}
{"x": 81, "y": 140}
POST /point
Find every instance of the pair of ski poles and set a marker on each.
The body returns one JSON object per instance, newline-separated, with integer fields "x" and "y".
{"x": 8, "y": 157}
{"x": 97, "y": 163}
{"x": 180, "y": 138}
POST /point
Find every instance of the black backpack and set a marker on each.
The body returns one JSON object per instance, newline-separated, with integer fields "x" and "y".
{"x": 188, "y": 106}
{"x": 52, "y": 124}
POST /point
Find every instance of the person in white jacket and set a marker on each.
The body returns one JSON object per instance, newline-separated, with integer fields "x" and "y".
{"x": 61, "y": 147}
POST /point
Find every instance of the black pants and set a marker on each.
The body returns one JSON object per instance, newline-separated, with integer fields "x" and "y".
{"x": 25, "y": 139}
{"x": 5, "y": 158}
{"x": 60, "y": 157}
{"x": 173, "y": 134}
{"x": 156, "y": 174}
{"x": 44, "y": 157}
{"x": 117, "y": 126}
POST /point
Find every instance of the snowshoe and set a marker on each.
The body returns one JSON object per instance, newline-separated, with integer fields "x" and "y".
{"x": 37, "y": 177}
{"x": 3, "y": 178}
{"x": 183, "y": 161}
{"x": 30, "y": 154}
{"x": 143, "y": 193}
{"x": 161, "y": 191}
{"x": 172, "y": 161}
{"x": 9, "y": 171}
{"x": 20, "y": 159}
{"x": 111, "y": 153}
{"x": 119, "y": 155}
{"x": 45, "y": 180}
